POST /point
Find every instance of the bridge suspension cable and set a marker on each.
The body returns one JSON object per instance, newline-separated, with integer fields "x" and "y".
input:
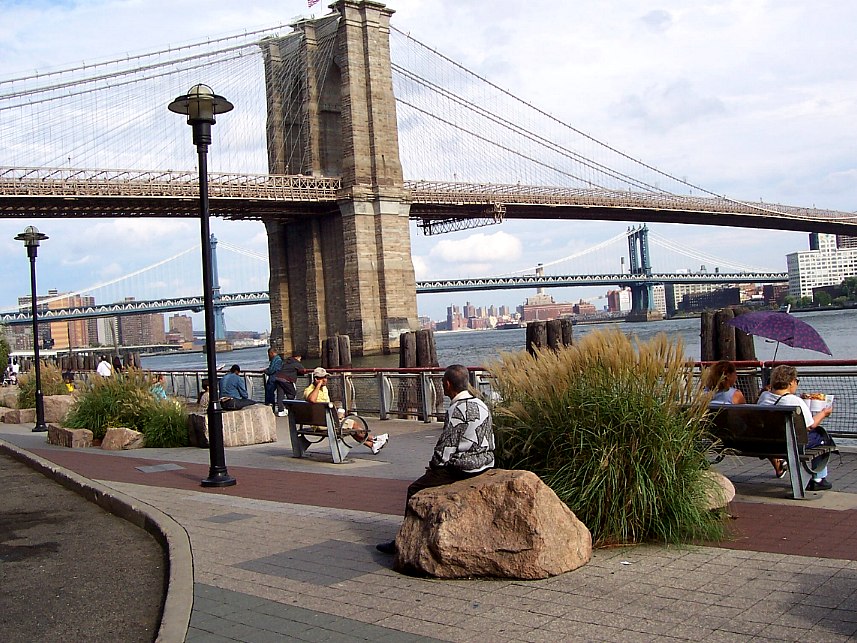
{"x": 663, "y": 242}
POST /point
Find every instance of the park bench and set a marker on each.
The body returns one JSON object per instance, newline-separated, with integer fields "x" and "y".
{"x": 768, "y": 432}
{"x": 312, "y": 422}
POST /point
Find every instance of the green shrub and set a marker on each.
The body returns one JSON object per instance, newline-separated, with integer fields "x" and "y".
{"x": 614, "y": 428}
{"x": 52, "y": 384}
{"x": 126, "y": 400}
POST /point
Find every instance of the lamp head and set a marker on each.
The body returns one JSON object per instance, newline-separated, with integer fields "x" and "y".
{"x": 200, "y": 105}
{"x": 31, "y": 237}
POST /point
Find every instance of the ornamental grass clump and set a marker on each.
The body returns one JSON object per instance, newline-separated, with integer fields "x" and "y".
{"x": 614, "y": 427}
{"x": 51, "y": 381}
{"x": 126, "y": 400}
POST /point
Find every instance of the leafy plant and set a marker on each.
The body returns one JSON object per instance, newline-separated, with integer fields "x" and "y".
{"x": 51, "y": 380}
{"x": 614, "y": 427}
{"x": 126, "y": 400}
{"x": 4, "y": 349}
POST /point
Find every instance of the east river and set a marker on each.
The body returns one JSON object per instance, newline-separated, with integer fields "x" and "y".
{"x": 480, "y": 347}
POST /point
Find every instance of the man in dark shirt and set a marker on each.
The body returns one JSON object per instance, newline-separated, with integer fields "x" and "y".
{"x": 233, "y": 390}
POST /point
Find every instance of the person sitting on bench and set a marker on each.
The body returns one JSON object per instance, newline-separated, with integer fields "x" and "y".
{"x": 721, "y": 379}
{"x": 233, "y": 390}
{"x": 784, "y": 383}
{"x": 317, "y": 392}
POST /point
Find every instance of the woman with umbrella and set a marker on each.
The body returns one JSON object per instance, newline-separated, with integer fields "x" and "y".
{"x": 784, "y": 383}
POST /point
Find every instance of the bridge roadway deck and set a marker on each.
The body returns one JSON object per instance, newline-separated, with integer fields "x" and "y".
{"x": 74, "y": 192}
{"x": 288, "y": 553}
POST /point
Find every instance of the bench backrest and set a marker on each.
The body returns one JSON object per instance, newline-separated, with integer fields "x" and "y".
{"x": 308, "y": 413}
{"x": 756, "y": 428}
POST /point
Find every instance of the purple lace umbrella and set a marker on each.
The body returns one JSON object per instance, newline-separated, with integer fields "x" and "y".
{"x": 781, "y": 327}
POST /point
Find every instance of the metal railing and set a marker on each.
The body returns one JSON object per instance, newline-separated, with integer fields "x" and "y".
{"x": 416, "y": 393}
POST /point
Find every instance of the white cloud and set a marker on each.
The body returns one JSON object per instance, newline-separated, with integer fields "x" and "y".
{"x": 753, "y": 100}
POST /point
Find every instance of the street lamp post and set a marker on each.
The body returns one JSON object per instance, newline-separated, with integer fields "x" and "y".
{"x": 200, "y": 105}
{"x": 31, "y": 238}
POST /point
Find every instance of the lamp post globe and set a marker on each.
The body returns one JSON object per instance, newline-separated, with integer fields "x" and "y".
{"x": 201, "y": 105}
{"x": 31, "y": 238}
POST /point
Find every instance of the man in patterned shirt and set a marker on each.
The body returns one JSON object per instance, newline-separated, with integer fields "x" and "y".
{"x": 466, "y": 444}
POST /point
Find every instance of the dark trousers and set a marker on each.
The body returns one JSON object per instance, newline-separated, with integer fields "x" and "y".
{"x": 437, "y": 478}
{"x": 284, "y": 389}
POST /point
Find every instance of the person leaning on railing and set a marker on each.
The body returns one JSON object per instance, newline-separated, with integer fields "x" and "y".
{"x": 784, "y": 383}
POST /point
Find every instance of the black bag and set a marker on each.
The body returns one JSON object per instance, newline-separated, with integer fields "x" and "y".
{"x": 819, "y": 437}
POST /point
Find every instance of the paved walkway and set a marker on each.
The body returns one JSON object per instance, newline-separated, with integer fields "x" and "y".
{"x": 288, "y": 554}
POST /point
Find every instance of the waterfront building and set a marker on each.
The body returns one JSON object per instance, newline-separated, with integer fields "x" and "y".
{"x": 182, "y": 325}
{"x": 542, "y": 307}
{"x": 141, "y": 330}
{"x": 824, "y": 264}
{"x": 659, "y": 299}
{"x": 712, "y": 300}
{"x": 619, "y": 301}
{"x": 584, "y": 308}
{"x": 675, "y": 294}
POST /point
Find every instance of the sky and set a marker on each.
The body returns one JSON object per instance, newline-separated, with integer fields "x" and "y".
{"x": 754, "y": 99}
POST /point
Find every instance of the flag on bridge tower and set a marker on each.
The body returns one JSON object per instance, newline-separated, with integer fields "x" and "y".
{"x": 312, "y": 3}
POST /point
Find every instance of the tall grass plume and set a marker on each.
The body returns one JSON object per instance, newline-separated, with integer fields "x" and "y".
{"x": 614, "y": 427}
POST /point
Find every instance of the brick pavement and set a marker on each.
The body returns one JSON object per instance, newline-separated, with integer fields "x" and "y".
{"x": 288, "y": 553}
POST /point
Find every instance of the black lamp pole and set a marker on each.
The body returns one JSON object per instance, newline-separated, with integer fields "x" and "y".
{"x": 200, "y": 105}
{"x": 31, "y": 238}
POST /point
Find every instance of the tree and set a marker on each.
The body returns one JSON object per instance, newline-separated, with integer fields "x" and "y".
{"x": 805, "y": 302}
{"x": 4, "y": 349}
{"x": 849, "y": 284}
{"x": 823, "y": 299}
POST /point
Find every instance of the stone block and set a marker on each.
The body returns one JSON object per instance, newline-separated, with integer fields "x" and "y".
{"x": 501, "y": 524}
{"x": 72, "y": 438}
{"x": 20, "y": 416}
{"x": 254, "y": 424}
{"x": 56, "y": 407}
{"x": 119, "y": 439}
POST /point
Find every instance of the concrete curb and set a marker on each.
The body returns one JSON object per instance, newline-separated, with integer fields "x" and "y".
{"x": 175, "y": 614}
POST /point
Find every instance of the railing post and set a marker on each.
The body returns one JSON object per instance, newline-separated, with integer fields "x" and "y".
{"x": 383, "y": 399}
{"x": 427, "y": 401}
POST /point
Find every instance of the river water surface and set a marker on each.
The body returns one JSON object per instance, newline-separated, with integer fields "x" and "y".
{"x": 480, "y": 347}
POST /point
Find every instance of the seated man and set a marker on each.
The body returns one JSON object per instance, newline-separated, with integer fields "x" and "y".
{"x": 317, "y": 392}
{"x": 466, "y": 444}
{"x": 233, "y": 390}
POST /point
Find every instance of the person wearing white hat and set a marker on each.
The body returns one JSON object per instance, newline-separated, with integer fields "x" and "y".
{"x": 317, "y": 392}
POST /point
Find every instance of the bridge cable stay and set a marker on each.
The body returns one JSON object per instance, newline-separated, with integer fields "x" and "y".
{"x": 517, "y": 129}
{"x": 428, "y": 52}
{"x": 576, "y": 255}
{"x": 128, "y": 58}
{"x": 111, "y": 282}
{"x": 699, "y": 255}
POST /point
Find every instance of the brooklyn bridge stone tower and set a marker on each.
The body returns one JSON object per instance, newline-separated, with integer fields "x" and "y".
{"x": 331, "y": 112}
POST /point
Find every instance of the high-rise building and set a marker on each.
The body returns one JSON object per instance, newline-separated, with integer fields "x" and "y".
{"x": 825, "y": 264}
{"x": 141, "y": 330}
{"x": 182, "y": 325}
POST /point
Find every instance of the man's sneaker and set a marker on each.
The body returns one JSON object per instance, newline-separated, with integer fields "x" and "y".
{"x": 387, "y": 548}
{"x": 282, "y": 414}
{"x": 819, "y": 485}
{"x": 378, "y": 442}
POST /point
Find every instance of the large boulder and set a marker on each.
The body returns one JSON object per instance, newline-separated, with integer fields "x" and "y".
{"x": 9, "y": 397}
{"x": 502, "y": 524}
{"x": 254, "y": 424}
{"x": 72, "y": 438}
{"x": 56, "y": 407}
{"x": 719, "y": 490}
{"x": 119, "y": 439}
